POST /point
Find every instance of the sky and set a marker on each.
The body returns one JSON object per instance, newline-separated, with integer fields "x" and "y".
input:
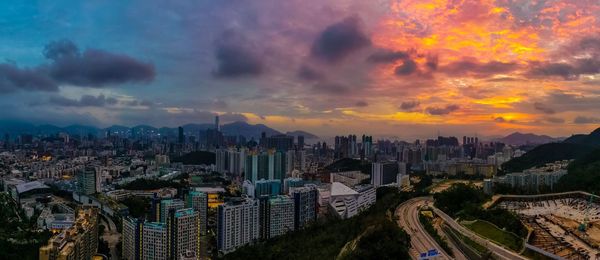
{"x": 409, "y": 68}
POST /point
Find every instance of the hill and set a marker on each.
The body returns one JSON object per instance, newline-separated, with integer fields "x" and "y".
{"x": 197, "y": 158}
{"x": 546, "y": 153}
{"x": 248, "y": 130}
{"x": 517, "y": 138}
{"x": 306, "y": 135}
{"x": 15, "y": 128}
{"x": 573, "y": 147}
{"x": 592, "y": 139}
{"x": 584, "y": 174}
{"x": 348, "y": 164}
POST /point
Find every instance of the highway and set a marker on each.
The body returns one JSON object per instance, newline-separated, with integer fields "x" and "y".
{"x": 494, "y": 248}
{"x": 408, "y": 219}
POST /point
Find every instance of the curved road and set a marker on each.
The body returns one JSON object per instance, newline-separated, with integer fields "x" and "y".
{"x": 493, "y": 247}
{"x": 408, "y": 219}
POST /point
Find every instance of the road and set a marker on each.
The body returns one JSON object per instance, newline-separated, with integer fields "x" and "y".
{"x": 111, "y": 235}
{"x": 494, "y": 248}
{"x": 408, "y": 219}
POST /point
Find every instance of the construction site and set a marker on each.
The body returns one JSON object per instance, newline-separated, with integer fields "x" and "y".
{"x": 562, "y": 225}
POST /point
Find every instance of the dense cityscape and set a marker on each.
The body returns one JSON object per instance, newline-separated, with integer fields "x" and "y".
{"x": 191, "y": 193}
{"x": 300, "y": 129}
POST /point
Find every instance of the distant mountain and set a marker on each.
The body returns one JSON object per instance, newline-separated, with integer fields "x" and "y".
{"x": 14, "y": 128}
{"x": 573, "y": 147}
{"x": 517, "y": 138}
{"x": 247, "y": 130}
{"x": 306, "y": 135}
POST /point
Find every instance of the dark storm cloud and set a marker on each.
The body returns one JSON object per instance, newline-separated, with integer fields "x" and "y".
{"x": 554, "y": 120}
{"x": 432, "y": 62}
{"x": 387, "y": 56}
{"x": 572, "y": 65}
{"x": 586, "y": 120}
{"x": 408, "y": 67}
{"x": 236, "y": 56}
{"x": 470, "y": 66}
{"x": 307, "y": 73}
{"x": 543, "y": 108}
{"x": 57, "y": 50}
{"x": 442, "y": 110}
{"x": 409, "y": 105}
{"x": 330, "y": 88}
{"x": 361, "y": 103}
{"x": 14, "y": 78}
{"x": 84, "y": 101}
{"x": 92, "y": 68}
{"x": 339, "y": 40}
{"x": 97, "y": 68}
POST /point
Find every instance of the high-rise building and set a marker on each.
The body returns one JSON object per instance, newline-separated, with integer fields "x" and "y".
{"x": 88, "y": 181}
{"x": 217, "y": 125}
{"x": 79, "y": 242}
{"x": 267, "y": 187}
{"x": 198, "y": 201}
{"x": 300, "y": 142}
{"x": 184, "y": 232}
{"x": 305, "y": 206}
{"x": 181, "y": 137}
{"x": 179, "y": 235}
{"x": 166, "y": 205}
{"x": 280, "y": 142}
{"x": 383, "y": 173}
{"x": 221, "y": 161}
{"x": 237, "y": 224}
{"x": 276, "y": 216}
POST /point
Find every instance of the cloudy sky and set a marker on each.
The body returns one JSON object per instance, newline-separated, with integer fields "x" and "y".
{"x": 408, "y": 68}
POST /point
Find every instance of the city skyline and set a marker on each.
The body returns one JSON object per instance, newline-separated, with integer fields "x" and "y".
{"x": 386, "y": 68}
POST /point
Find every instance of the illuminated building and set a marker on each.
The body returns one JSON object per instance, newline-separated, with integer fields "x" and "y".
{"x": 78, "y": 242}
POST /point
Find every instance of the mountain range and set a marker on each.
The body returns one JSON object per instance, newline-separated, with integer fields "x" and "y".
{"x": 573, "y": 147}
{"x": 14, "y": 128}
{"x": 518, "y": 138}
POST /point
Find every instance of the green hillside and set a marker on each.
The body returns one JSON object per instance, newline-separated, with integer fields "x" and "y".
{"x": 546, "y": 153}
{"x": 584, "y": 174}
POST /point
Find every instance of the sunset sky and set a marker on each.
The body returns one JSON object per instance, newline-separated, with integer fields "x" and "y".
{"x": 395, "y": 68}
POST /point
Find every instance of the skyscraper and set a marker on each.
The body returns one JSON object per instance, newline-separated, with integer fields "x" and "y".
{"x": 300, "y": 142}
{"x": 198, "y": 201}
{"x": 305, "y": 206}
{"x": 177, "y": 236}
{"x": 237, "y": 224}
{"x": 277, "y": 216}
{"x": 181, "y": 137}
{"x": 88, "y": 181}
{"x": 184, "y": 232}
{"x": 383, "y": 173}
{"x": 217, "y": 125}
{"x": 168, "y": 204}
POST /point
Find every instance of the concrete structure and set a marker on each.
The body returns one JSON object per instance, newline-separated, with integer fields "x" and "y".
{"x": 347, "y": 202}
